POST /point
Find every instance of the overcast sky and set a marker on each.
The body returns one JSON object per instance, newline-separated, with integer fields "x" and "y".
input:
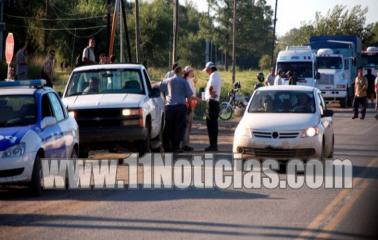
{"x": 291, "y": 13}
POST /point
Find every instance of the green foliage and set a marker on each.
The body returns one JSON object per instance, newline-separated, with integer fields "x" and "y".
{"x": 264, "y": 62}
{"x": 337, "y": 21}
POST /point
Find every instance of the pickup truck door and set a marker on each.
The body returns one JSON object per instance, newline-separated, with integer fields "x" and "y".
{"x": 156, "y": 106}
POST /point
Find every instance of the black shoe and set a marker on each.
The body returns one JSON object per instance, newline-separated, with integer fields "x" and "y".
{"x": 376, "y": 117}
{"x": 354, "y": 117}
{"x": 362, "y": 118}
{"x": 187, "y": 149}
{"x": 211, "y": 149}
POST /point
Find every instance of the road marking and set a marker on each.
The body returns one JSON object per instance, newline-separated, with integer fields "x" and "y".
{"x": 326, "y": 220}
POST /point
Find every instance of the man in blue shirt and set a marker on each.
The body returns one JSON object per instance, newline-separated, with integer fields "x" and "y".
{"x": 177, "y": 90}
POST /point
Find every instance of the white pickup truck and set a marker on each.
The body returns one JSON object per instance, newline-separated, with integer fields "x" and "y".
{"x": 115, "y": 106}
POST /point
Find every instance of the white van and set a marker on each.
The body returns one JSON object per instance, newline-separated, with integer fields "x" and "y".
{"x": 301, "y": 61}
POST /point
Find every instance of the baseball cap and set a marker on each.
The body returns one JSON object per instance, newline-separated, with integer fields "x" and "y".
{"x": 208, "y": 65}
{"x": 188, "y": 69}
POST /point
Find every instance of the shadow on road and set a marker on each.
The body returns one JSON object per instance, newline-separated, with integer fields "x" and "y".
{"x": 81, "y": 222}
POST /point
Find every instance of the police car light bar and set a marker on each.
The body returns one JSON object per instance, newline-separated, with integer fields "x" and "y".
{"x": 37, "y": 83}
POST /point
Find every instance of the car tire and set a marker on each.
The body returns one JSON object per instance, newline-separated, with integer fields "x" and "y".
{"x": 35, "y": 185}
{"x": 330, "y": 155}
{"x": 159, "y": 138}
{"x": 323, "y": 152}
{"x": 84, "y": 152}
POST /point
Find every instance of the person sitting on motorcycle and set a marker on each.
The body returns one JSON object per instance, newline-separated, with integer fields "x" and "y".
{"x": 261, "y": 78}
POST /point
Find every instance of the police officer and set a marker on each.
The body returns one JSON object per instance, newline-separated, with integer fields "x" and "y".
{"x": 212, "y": 95}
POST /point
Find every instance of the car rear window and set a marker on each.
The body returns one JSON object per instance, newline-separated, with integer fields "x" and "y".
{"x": 106, "y": 81}
{"x": 276, "y": 101}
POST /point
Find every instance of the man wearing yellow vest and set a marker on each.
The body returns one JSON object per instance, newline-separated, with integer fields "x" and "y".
{"x": 360, "y": 94}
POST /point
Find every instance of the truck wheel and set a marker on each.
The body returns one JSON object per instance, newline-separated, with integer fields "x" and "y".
{"x": 144, "y": 146}
{"x": 35, "y": 185}
{"x": 344, "y": 102}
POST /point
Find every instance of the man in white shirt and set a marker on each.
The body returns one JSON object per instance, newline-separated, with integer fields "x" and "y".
{"x": 279, "y": 80}
{"x": 88, "y": 53}
{"x": 270, "y": 79}
{"x": 212, "y": 95}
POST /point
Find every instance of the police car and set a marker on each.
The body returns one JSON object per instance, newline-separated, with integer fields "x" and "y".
{"x": 33, "y": 125}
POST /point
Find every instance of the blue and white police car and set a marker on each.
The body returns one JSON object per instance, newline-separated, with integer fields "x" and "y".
{"x": 33, "y": 125}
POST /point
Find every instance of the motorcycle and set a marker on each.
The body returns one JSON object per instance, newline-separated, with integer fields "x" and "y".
{"x": 237, "y": 103}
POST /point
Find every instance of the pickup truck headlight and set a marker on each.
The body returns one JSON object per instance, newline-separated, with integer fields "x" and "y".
{"x": 14, "y": 151}
{"x": 132, "y": 112}
{"x": 310, "y": 132}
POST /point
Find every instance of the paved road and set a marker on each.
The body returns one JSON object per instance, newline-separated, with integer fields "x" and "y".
{"x": 211, "y": 213}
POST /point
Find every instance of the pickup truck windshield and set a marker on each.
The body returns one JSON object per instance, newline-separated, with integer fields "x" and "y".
{"x": 300, "y": 69}
{"x": 106, "y": 81}
{"x": 329, "y": 63}
{"x": 276, "y": 101}
{"x": 17, "y": 110}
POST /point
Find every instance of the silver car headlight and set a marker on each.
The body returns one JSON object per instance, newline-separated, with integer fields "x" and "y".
{"x": 14, "y": 151}
{"x": 310, "y": 132}
{"x": 242, "y": 131}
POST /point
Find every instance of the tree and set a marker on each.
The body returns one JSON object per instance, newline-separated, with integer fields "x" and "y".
{"x": 337, "y": 21}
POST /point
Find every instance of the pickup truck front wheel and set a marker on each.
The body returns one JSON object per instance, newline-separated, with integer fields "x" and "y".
{"x": 144, "y": 146}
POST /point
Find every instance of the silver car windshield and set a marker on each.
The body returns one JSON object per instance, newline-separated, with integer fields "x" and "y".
{"x": 277, "y": 101}
{"x": 106, "y": 81}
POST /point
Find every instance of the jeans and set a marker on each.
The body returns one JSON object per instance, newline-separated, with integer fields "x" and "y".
{"x": 357, "y": 102}
{"x": 175, "y": 125}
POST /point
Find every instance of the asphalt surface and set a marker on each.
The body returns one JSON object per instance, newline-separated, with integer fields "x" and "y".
{"x": 211, "y": 213}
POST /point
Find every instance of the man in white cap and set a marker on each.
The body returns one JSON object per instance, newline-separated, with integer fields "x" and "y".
{"x": 212, "y": 95}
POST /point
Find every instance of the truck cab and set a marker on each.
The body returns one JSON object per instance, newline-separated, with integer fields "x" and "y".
{"x": 370, "y": 59}
{"x": 333, "y": 81}
{"x": 301, "y": 61}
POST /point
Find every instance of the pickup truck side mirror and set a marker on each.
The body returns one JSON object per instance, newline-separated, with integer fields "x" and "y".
{"x": 47, "y": 122}
{"x": 317, "y": 75}
{"x": 327, "y": 113}
{"x": 155, "y": 92}
{"x": 60, "y": 94}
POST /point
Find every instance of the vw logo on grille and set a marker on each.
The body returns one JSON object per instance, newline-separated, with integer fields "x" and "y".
{"x": 275, "y": 134}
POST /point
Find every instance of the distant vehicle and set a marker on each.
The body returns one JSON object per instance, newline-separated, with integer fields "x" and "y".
{"x": 115, "y": 105}
{"x": 33, "y": 125}
{"x": 369, "y": 59}
{"x": 333, "y": 87}
{"x": 285, "y": 122}
{"x": 301, "y": 61}
{"x": 332, "y": 81}
{"x": 237, "y": 102}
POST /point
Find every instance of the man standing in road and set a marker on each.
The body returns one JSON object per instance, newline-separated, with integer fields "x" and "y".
{"x": 21, "y": 63}
{"x": 376, "y": 95}
{"x": 360, "y": 94}
{"x": 89, "y": 56}
{"x": 48, "y": 68}
{"x": 279, "y": 78}
{"x": 370, "y": 88}
{"x": 212, "y": 95}
{"x": 177, "y": 91}
{"x": 270, "y": 79}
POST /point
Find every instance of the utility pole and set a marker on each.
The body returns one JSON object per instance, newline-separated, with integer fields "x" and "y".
{"x": 208, "y": 31}
{"x": 121, "y": 32}
{"x": 126, "y": 29}
{"x": 109, "y": 23}
{"x": 274, "y": 35}
{"x": 175, "y": 29}
{"x": 137, "y": 32}
{"x": 233, "y": 42}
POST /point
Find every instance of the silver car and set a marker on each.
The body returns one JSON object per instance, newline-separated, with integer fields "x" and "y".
{"x": 285, "y": 122}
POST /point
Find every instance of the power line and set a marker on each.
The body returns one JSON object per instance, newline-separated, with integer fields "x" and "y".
{"x": 56, "y": 19}
{"x": 57, "y": 29}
